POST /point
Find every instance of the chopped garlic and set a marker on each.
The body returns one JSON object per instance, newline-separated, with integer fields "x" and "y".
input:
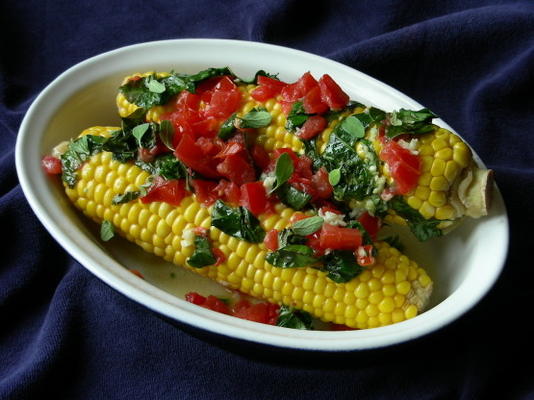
{"x": 332, "y": 218}
{"x": 411, "y": 145}
{"x": 60, "y": 149}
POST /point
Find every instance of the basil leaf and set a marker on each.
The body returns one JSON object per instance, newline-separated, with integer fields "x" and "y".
{"x": 166, "y": 165}
{"x": 77, "y": 153}
{"x": 310, "y": 150}
{"x": 283, "y": 170}
{"x": 334, "y": 176}
{"x": 202, "y": 256}
{"x": 139, "y": 131}
{"x": 238, "y": 222}
{"x": 125, "y": 197}
{"x": 137, "y": 92}
{"x": 292, "y": 256}
{"x": 290, "y": 317}
{"x": 292, "y": 197}
{"x": 410, "y": 122}
{"x": 376, "y": 114}
{"x": 122, "y": 144}
{"x": 206, "y": 74}
{"x": 255, "y": 119}
{"x": 228, "y": 128}
{"x": 307, "y": 226}
{"x": 297, "y": 116}
{"x": 423, "y": 229}
{"x": 107, "y": 230}
{"x": 166, "y": 133}
{"x": 341, "y": 266}
{"x": 287, "y": 236}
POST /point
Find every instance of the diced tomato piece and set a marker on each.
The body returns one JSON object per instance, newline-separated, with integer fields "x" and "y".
{"x": 195, "y": 298}
{"x": 237, "y": 168}
{"x": 204, "y": 191}
{"x": 271, "y": 240}
{"x": 219, "y": 256}
{"x": 332, "y": 94}
{"x": 278, "y": 152}
{"x": 341, "y": 327}
{"x": 187, "y": 100}
{"x": 181, "y": 128}
{"x": 260, "y": 156}
{"x": 405, "y": 167}
{"x": 271, "y": 83}
{"x": 51, "y": 165}
{"x": 303, "y": 167}
{"x": 194, "y": 157}
{"x": 312, "y": 127}
{"x": 297, "y": 217}
{"x": 338, "y": 238}
{"x": 137, "y": 273}
{"x": 209, "y": 147}
{"x": 265, "y": 313}
{"x": 200, "y": 231}
{"x": 286, "y": 106}
{"x": 298, "y": 90}
{"x": 215, "y": 304}
{"x": 322, "y": 184}
{"x": 314, "y": 241}
{"x": 262, "y": 93}
{"x": 223, "y": 103}
{"x": 231, "y": 148}
{"x": 253, "y": 197}
{"x": 313, "y": 102}
{"x": 207, "y": 127}
{"x": 304, "y": 185}
{"x": 168, "y": 191}
{"x": 364, "y": 255}
{"x": 225, "y": 84}
{"x": 228, "y": 191}
{"x": 329, "y": 208}
{"x": 370, "y": 223}
{"x": 211, "y": 83}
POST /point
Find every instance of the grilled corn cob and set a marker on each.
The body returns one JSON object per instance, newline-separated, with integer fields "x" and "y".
{"x": 451, "y": 185}
{"x": 392, "y": 290}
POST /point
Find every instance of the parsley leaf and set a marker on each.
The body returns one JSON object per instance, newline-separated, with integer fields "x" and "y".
{"x": 293, "y": 197}
{"x": 292, "y": 256}
{"x": 290, "y": 317}
{"x": 78, "y": 152}
{"x": 297, "y": 116}
{"x": 423, "y": 229}
{"x": 341, "y": 266}
{"x": 126, "y": 197}
{"x": 307, "y": 226}
{"x": 256, "y": 118}
{"x": 410, "y": 122}
{"x": 107, "y": 230}
{"x": 203, "y": 255}
{"x": 283, "y": 170}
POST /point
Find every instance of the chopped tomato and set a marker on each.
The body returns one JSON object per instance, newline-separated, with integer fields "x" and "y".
{"x": 405, "y": 167}
{"x": 297, "y": 217}
{"x": 312, "y": 127}
{"x": 260, "y": 156}
{"x": 51, "y": 165}
{"x": 313, "y": 102}
{"x": 271, "y": 83}
{"x": 265, "y": 313}
{"x": 204, "y": 191}
{"x": 267, "y": 88}
{"x": 329, "y": 208}
{"x": 303, "y": 167}
{"x": 314, "y": 241}
{"x": 222, "y": 103}
{"x": 201, "y": 231}
{"x": 219, "y": 256}
{"x": 168, "y": 191}
{"x": 194, "y": 156}
{"x": 262, "y": 93}
{"x": 278, "y": 152}
{"x": 341, "y": 327}
{"x": 370, "y": 223}
{"x": 332, "y": 94}
{"x": 187, "y": 101}
{"x": 253, "y": 197}
{"x": 298, "y": 90}
{"x": 181, "y": 128}
{"x": 228, "y": 191}
{"x": 225, "y": 84}
{"x": 271, "y": 240}
{"x": 195, "y": 298}
{"x": 231, "y": 148}
{"x": 364, "y": 255}
{"x": 137, "y": 273}
{"x": 207, "y": 127}
{"x": 215, "y": 304}
{"x": 286, "y": 106}
{"x": 338, "y": 238}
{"x": 303, "y": 184}
{"x": 321, "y": 183}
{"x": 237, "y": 168}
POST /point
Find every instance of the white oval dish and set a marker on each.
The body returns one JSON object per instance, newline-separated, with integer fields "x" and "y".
{"x": 463, "y": 265}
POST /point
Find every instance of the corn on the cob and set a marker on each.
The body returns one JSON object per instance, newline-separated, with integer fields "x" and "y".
{"x": 392, "y": 290}
{"x": 450, "y": 187}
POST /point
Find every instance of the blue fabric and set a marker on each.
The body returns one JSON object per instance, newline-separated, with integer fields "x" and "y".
{"x": 66, "y": 334}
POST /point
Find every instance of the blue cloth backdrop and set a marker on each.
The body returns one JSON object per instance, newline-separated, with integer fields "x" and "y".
{"x": 66, "y": 334}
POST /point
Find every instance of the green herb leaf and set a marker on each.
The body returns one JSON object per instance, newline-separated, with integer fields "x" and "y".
{"x": 125, "y": 197}
{"x": 292, "y": 197}
{"x": 238, "y": 222}
{"x": 283, "y": 170}
{"x": 139, "y": 131}
{"x": 166, "y": 165}
{"x": 259, "y": 73}
{"x": 153, "y": 85}
{"x": 376, "y": 114}
{"x": 297, "y": 116}
{"x": 423, "y": 229}
{"x": 203, "y": 255}
{"x": 166, "y": 133}
{"x": 307, "y": 226}
{"x": 287, "y": 236}
{"x": 107, "y": 230}
{"x": 290, "y": 317}
{"x": 292, "y": 256}
{"x": 228, "y": 128}
{"x": 410, "y": 122}
{"x": 341, "y": 266}
{"x": 334, "y": 176}
{"x": 350, "y": 130}
{"x": 255, "y": 119}
{"x": 78, "y": 152}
